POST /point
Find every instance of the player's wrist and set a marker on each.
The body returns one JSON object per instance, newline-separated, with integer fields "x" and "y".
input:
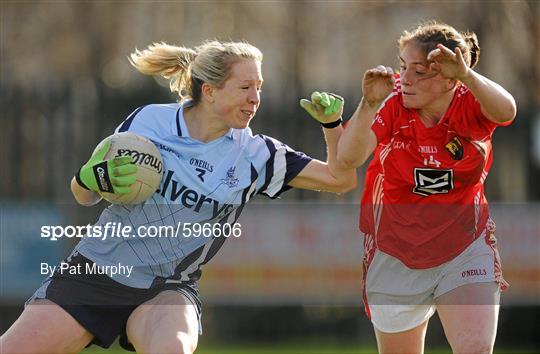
{"x": 331, "y": 125}
{"x": 369, "y": 104}
{"x": 466, "y": 77}
{"x": 79, "y": 180}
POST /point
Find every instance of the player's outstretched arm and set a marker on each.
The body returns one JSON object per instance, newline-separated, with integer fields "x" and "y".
{"x": 113, "y": 176}
{"x": 358, "y": 140}
{"x": 326, "y": 108}
{"x": 497, "y": 104}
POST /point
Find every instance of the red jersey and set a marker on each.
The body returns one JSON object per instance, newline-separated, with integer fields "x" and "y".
{"x": 424, "y": 194}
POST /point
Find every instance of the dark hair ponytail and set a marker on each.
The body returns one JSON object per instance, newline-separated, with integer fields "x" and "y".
{"x": 472, "y": 42}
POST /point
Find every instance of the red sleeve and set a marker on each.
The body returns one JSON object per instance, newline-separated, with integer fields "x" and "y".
{"x": 382, "y": 123}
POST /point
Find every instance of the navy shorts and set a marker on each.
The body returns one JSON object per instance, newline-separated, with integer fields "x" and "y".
{"x": 101, "y": 305}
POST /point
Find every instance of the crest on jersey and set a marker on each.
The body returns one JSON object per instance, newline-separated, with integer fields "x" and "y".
{"x": 455, "y": 148}
{"x": 230, "y": 180}
{"x": 431, "y": 181}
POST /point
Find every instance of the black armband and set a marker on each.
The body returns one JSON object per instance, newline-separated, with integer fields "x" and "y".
{"x": 332, "y": 124}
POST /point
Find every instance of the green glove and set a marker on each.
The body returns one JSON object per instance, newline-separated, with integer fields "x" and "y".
{"x": 324, "y": 107}
{"x": 112, "y": 176}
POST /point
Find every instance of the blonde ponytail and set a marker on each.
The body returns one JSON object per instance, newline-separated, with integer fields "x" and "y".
{"x": 188, "y": 69}
{"x": 169, "y": 61}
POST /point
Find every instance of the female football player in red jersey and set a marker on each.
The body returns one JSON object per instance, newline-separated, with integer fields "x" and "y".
{"x": 429, "y": 241}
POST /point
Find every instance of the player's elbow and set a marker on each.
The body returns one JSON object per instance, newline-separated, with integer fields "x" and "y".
{"x": 351, "y": 183}
{"x": 348, "y": 162}
{"x": 511, "y": 112}
{"x": 505, "y": 112}
{"x": 350, "y": 186}
{"x": 345, "y": 185}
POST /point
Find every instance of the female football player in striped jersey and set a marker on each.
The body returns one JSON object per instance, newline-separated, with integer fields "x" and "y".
{"x": 213, "y": 165}
{"x": 429, "y": 241}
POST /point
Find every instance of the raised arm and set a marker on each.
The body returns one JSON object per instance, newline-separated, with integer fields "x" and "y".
{"x": 328, "y": 176}
{"x": 358, "y": 140}
{"x": 496, "y": 103}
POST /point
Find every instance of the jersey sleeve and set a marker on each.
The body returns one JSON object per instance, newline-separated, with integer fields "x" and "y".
{"x": 283, "y": 165}
{"x": 151, "y": 121}
{"x": 382, "y": 123}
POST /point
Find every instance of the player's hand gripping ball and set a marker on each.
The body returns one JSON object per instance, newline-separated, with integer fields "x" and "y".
{"x": 324, "y": 107}
{"x": 125, "y": 168}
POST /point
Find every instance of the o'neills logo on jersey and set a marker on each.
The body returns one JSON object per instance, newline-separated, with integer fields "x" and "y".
{"x": 192, "y": 199}
{"x": 141, "y": 158}
{"x": 202, "y": 164}
{"x": 432, "y": 181}
{"x": 201, "y": 167}
{"x": 455, "y": 148}
{"x": 427, "y": 149}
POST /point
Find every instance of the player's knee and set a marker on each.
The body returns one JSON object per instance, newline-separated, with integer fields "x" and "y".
{"x": 175, "y": 347}
{"x": 470, "y": 345}
{"x": 188, "y": 344}
{"x": 181, "y": 344}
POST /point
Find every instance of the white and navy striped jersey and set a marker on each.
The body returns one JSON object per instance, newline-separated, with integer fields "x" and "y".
{"x": 202, "y": 183}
